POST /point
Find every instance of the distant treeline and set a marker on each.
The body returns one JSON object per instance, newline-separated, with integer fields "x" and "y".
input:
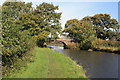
{"x": 100, "y": 32}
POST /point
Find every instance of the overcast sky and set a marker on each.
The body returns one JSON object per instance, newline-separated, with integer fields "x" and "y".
{"x": 79, "y": 9}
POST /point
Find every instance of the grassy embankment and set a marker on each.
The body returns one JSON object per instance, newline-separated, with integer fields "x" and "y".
{"x": 49, "y": 64}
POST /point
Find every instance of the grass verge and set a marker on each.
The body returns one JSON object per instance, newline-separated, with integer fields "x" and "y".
{"x": 49, "y": 64}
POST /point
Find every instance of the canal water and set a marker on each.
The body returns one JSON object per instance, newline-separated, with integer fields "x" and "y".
{"x": 97, "y": 64}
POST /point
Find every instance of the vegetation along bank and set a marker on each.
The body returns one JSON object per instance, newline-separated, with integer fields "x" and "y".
{"x": 98, "y": 32}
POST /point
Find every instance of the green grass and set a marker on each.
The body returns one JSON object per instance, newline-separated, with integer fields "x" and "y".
{"x": 50, "y": 64}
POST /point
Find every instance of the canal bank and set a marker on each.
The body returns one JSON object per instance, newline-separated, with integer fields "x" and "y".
{"x": 49, "y": 64}
{"x": 97, "y": 64}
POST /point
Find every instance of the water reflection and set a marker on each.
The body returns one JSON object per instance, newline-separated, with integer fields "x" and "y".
{"x": 97, "y": 64}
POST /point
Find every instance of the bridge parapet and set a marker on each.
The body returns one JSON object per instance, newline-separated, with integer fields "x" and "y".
{"x": 62, "y": 39}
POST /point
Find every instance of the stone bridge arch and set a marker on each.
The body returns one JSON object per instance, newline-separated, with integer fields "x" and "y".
{"x": 68, "y": 43}
{"x": 65, "y": 44}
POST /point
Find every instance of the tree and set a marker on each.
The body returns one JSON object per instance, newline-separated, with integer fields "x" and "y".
{"x": 15, "y": 42}
{"x": 50, "y": 19}
{"x": 104, "y": 25}
{"x": 85, "y": 31}
{"x": 14, "y": 9}
{"x": 42, "y": 21}
{"x": 81, "y": 31}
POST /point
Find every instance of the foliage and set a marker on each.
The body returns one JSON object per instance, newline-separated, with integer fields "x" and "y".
{"x": 11, "y": 10}
{"x": 81, "y": 31}
{"x": 42, "y": 21}
{"x": 105, "y": 26}
{"x": 23, "y": 26}
{"x": 15, "y": 42}
{"x": 85, "y": 31}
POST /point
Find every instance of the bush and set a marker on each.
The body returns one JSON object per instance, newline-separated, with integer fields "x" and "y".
{"x": 85, "y": 45}
{"x": 15, "y": 43}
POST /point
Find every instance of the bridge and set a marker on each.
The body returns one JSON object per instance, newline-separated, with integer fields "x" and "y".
{"x": 68, "y": 43}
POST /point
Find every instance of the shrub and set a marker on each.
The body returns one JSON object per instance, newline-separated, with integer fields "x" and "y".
{"x": 14, "y": 43}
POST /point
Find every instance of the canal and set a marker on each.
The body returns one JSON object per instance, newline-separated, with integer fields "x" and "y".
{"x": 97, "y": 64}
